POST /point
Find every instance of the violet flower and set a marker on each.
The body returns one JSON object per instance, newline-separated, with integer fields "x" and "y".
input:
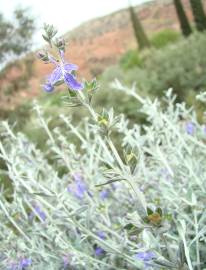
{"x": 22, "y": 265}
{"x": 104, "y": 194}
{"x": 78, "y": 188}
{"x": 99, "y": 251}
{"x": 146, "y": 257}
{"x": 66, "y": 261}
{"x": 63, "y": 71}
{"x": 190, "y": 128}
{"x": 101, "y": 235}
{"x": 38, "y": 212}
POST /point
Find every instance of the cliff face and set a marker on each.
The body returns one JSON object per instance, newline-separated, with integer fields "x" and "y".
{"x": 96, "y": 44}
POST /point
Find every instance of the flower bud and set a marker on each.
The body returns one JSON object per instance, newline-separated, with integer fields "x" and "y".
{"x": 43, "y": 56}
{"x": 60, "y": 44}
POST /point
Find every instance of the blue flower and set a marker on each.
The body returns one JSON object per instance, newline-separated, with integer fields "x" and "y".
{"x": 146, "y": 257}
{"x": 24, "y": 263}
{"x": 63, "y": 72}
{"x": 78, "y": 188}
{"x": 21, "y": 265}
{"x": 48, "y": 87}
{"x": 38, "y": 212}
{"x": 101, "y": 235}
{"x": 190, "y": 128}
{"x": 104, "y": 194}
{"x": 99, "y": 251}
{"x": 66, "y": 262}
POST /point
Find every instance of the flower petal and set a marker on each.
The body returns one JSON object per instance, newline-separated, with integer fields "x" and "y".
{"x": 104, "y": 194}
{"x": 52, "y": 60}
{"x": 25, "y": 262}
{"x": 145, "y": 256}
{"x": 55, "y": 76}
{"x": 72, "y": 83}
{"x": 101, "y": 235}
{"x": 190, "y": 128}
{"x": 99, "y": 251}
{"x": 48, "y": 87}
{"x": 70, "y": 67}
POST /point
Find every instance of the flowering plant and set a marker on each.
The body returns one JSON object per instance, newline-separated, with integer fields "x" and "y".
{"x": 123, "y": 197}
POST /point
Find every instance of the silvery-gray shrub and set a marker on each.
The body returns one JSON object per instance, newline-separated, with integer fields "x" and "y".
{"x": 46, "y": 221}
{"x": 122, "y": 197}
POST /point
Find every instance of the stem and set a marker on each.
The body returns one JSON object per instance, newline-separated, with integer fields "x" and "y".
{"x": 187, "y": 253}
{"x": 197, "y": 240}
{"x": 115, "y": 250}
{"x": 87, "y": 105}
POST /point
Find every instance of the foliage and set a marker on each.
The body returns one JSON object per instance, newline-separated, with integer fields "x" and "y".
{"x": 134, "y": 58}
{"x": 131, "y": 59}
{"x": 151, "y": 212}
{"x": 164, "y": 38}
{"x": 140, "y": 35}
{"x": 16, "y": 35}
{"x": 180, "y": 66}
{"x": 199, "y": 15}
{"x": 184, "y": 22}
{"x": 119, "y": 196}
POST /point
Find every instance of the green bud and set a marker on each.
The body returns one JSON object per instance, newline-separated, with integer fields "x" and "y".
{"x": 103, "y": 121}
{"x": 43, "y": 56}
{"x": 60, "y": 44}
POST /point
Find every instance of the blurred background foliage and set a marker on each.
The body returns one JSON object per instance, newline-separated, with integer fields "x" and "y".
{"x": 178, "y": 65}
{"x": 165, "y": 59}
{"x": 16, "y": 34}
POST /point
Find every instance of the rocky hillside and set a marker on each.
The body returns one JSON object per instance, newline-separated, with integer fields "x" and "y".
{"x": 95, "y": 45}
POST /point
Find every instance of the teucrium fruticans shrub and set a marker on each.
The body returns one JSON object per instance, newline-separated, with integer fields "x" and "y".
{"x": 135, "y": 203}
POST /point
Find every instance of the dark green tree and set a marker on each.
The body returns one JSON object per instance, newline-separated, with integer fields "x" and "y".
{"x": 184, "y": 22}
{"x": 199, "y": 15}
{"x": 140, "y": 35}
{"x": 16, "y": 35}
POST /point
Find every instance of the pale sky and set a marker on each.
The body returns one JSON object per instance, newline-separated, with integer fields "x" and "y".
{"x": 65, "y": 14}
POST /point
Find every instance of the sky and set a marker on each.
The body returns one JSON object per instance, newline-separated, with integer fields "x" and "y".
{"x": 65, "y": 14}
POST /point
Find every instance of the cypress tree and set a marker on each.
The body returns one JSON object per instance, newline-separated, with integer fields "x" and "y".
{"x": 199, "y": 15}
{"x": 184, "y": 22}
{"x": 139, "y": 32}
